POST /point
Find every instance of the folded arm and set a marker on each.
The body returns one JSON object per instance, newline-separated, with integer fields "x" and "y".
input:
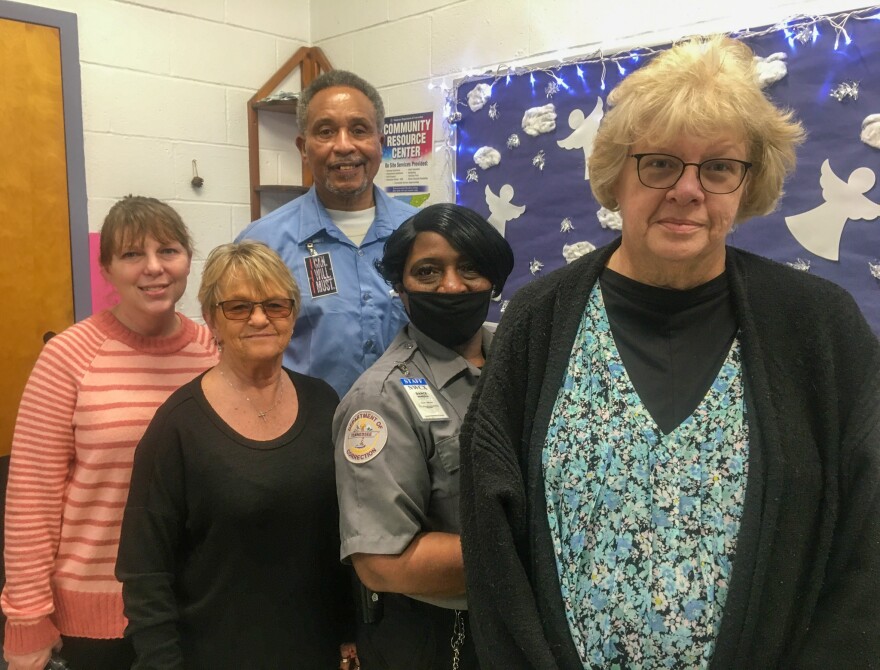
{"x": 430, "y": 566}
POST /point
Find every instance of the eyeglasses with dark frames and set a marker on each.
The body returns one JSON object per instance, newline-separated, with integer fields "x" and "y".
{"x": 716, "y": 175}
{"x": 241, "y": 310}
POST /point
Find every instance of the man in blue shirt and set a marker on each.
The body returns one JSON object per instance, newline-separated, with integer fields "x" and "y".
{"x": 330, "y": 236}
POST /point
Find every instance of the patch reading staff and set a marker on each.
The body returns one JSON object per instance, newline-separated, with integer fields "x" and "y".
{"x": 423, "y": 399}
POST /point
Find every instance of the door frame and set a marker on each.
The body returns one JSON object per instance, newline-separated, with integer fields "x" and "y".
{"x": 71, "y": 86}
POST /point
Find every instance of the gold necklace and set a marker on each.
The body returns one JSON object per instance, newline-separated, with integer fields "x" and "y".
{"x": 261, "y": 414}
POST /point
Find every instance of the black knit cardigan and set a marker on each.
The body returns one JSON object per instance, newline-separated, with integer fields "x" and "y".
{"x": 805, "y": 588}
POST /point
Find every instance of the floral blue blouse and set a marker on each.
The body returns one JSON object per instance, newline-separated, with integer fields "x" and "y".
{"x": 644, "y": 525}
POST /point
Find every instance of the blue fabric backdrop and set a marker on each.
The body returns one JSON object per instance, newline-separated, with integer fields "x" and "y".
{"x": 559, "y": 191}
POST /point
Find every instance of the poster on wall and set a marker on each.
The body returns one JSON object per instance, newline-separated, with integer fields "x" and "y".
{"x": 523, "y": 138}
{"x": 406, "y": 159}
{"x": 104, "y": 296}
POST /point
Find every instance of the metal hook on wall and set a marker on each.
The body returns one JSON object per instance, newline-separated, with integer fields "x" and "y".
{"x": 197, "y": 181}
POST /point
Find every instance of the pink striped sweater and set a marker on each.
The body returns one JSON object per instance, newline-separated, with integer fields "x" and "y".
{"x": 88, "y": 401}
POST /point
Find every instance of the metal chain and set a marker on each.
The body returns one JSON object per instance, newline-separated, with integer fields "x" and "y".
{"x": 457, "y": 639}
{"x": 260, "y": 413}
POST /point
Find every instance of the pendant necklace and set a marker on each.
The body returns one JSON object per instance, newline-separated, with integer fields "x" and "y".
{"x": 262, "y": 414}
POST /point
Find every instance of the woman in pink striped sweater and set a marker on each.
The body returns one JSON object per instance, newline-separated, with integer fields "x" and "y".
{"x": 92, "y": 392}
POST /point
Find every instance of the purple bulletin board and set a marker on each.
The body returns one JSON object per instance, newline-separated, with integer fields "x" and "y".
{"x": 534, "y": 186}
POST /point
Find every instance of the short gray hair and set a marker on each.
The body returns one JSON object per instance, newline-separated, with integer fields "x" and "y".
{"x": 251, "y": 262}
{"x": 339, "y": 78}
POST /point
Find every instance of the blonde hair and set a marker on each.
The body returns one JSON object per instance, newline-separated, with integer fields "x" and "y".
{"x": 251, "y": 262}
{"x": 134, "y": 217}
{"x": 703, "y": 87}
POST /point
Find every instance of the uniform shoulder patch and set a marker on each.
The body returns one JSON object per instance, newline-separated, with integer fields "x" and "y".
{"x": 365, "y": 436}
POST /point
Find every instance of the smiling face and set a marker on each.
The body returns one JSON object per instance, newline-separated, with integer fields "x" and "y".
{"x": 675, "y": 237}
{"x": 257, "y": 339}
{"x": 342, "y": 145}
{"x": 150, "y": 277}
{"x": 434, "y": 265}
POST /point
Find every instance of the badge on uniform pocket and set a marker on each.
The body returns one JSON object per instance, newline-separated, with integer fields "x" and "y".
{"x": 421, "y": 395}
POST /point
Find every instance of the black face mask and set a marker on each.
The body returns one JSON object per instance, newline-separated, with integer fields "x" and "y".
{"x": 449, "y": 318}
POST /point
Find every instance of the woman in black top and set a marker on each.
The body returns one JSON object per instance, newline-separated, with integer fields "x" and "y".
{"x": 229, "y": 549}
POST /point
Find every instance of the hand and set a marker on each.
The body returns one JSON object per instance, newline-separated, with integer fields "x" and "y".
{"x": 36, "y": 660}
{"x": 348, "y": 656}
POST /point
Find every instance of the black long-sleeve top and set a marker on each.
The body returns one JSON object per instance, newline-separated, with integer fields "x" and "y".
{"x": 229, "y": 555}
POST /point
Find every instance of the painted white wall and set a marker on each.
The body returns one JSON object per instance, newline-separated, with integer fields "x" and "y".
{"x": 166, "y": 81}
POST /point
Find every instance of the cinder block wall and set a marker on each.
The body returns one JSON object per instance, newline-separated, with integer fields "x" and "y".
{"x": 166, "y": 81}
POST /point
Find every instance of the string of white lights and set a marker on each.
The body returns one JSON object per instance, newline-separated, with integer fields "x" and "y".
{"x": 799, "y": 28}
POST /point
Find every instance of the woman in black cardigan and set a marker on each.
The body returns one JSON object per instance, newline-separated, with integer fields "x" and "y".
{"x": 672, "y": 459}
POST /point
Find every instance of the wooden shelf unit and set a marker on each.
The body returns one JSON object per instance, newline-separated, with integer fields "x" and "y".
{"x": 312, "y": 62}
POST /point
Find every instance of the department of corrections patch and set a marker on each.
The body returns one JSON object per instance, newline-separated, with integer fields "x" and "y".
{"x": 365, "y": 436}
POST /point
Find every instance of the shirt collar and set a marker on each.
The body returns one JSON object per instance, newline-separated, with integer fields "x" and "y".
{"x": 444, "y": 363}
{"x": 320, "y": 221}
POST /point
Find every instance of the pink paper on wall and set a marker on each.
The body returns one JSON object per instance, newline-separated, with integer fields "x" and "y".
{"x": 104, "y": 295}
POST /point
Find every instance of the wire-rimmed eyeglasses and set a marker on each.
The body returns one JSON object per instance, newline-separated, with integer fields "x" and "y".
{"x": 241, "y": 310}
{"x": 716, "y": 175}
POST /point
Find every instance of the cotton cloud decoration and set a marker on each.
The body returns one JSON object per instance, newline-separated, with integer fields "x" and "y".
{"x": 487, "y": 157}
{"x": 539, "y": 120}
{"x": 571, "y": 252}
{"x": 871, "y": 131}
{"x": 609, "y": 220}
{"x": 771, "y": 69}
{"x": 478, "y": 96}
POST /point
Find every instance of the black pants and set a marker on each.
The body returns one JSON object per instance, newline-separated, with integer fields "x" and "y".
{"x": 413, "y": 635}
{"x": 83, "y": 653}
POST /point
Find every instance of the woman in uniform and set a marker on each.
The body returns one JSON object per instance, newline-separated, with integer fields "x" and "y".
{"x": 396, "y": 435}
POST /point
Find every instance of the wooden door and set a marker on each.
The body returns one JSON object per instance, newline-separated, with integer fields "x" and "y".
{"x": 36, "y": 286}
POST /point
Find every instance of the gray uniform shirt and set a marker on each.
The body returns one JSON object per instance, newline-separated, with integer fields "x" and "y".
{"x": 396, "y": 473}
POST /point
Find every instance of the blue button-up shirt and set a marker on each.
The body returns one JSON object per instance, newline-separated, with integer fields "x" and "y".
{"x": 337, "y": 336}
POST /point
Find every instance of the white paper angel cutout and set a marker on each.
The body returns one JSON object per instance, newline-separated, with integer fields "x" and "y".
{"x": 819, "y": 230}
{"x": 501, "y": 208}
{"x": 584, "y": 132}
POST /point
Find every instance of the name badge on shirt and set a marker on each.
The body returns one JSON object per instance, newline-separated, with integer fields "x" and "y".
{"x": 423, "y": 399}
{"x": 319, "y": 269}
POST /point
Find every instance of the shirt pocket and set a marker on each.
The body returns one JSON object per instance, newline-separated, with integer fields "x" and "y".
{"x": 447, "y": 450}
